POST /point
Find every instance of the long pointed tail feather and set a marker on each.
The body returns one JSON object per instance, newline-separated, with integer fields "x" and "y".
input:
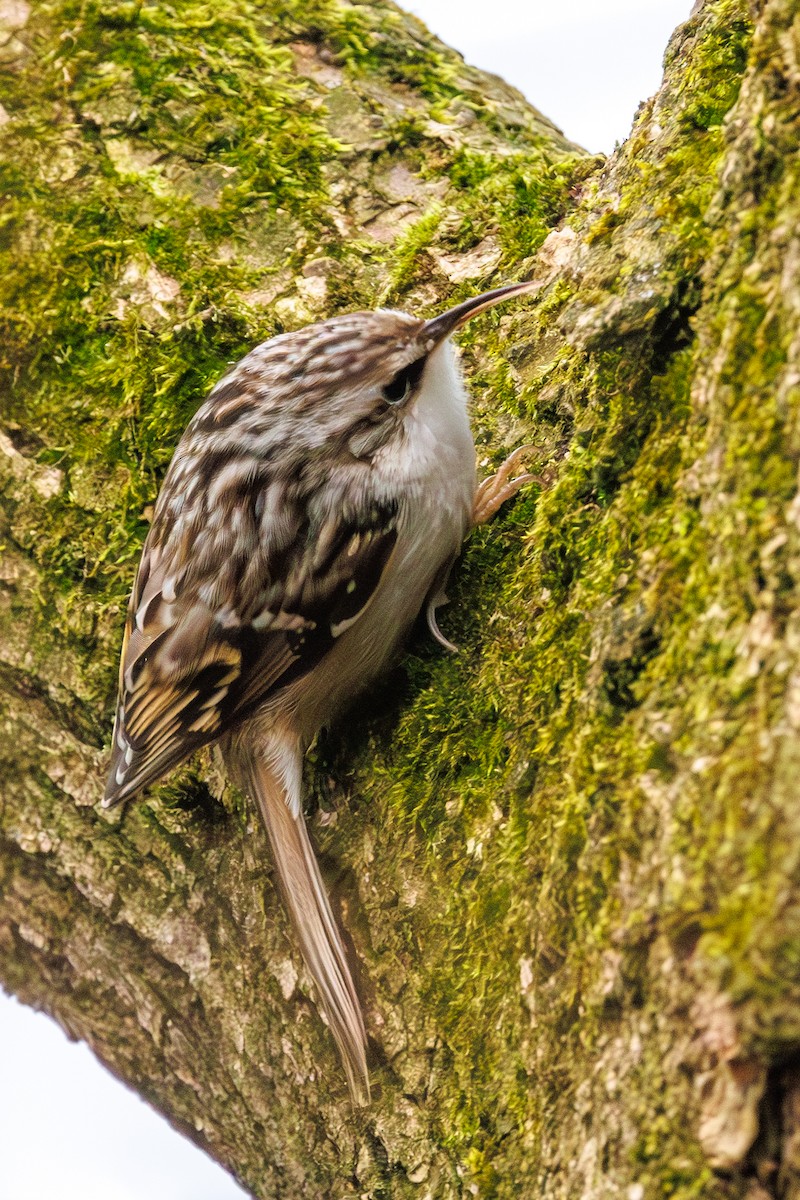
{"x": 309, "y": 908}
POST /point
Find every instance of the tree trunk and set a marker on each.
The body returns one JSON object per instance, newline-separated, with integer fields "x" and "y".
{"x": 568, "y": 858}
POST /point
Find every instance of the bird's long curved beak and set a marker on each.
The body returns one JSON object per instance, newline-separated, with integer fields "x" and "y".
{"x": 439, "y": 328}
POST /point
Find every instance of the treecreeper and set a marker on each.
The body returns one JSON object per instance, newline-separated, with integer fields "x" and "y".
{"x": 313, "y": 507}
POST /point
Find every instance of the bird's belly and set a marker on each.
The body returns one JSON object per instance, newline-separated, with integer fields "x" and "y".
{"x": 430, "y": 469}
{"x": 431, "y": 527}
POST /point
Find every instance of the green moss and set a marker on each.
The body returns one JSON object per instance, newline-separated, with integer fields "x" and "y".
{"x": 594, "y": 774}
{"x": 112, "y": 379}
{"x": 408, "y": 248}
{"x": 522, "y": 197}
{"x": 606, "y": 652}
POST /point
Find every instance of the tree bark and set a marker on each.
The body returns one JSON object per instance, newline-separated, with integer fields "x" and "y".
{"x": 569, "y": 858}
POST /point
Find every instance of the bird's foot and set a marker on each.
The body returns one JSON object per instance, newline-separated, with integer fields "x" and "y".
{"x": 494, "y": 491}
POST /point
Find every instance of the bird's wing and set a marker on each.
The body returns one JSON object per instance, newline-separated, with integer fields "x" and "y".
{"x": 229, "y": 605}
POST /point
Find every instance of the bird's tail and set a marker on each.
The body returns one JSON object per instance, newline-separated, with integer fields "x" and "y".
{"x": 271, "y": 785}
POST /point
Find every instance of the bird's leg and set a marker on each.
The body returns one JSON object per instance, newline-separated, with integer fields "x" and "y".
{"x": 494, "y": 491}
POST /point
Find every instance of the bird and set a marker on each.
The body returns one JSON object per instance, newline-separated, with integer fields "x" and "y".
{"x": 313, "y": 508}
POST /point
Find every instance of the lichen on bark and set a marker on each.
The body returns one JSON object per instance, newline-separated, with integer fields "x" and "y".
{"x": 567, "y": 857}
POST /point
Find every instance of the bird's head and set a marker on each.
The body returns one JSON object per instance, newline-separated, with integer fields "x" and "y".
{"x": 352, "y": 378}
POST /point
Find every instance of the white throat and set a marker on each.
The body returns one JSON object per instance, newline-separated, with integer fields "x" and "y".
{"x": 436, "y": 423}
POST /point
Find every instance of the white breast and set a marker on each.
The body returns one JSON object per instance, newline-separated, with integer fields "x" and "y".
{"x": 431, "y": 469}
{"x": 434, "y": 465}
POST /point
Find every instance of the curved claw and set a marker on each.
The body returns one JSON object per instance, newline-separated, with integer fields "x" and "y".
{"x": 498, "y": 488}
{"x": 430, "y": 617}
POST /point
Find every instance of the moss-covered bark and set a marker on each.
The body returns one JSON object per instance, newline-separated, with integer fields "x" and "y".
{"x": 568, "y": 858}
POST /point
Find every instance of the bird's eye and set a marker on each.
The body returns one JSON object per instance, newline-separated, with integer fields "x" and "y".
{"x": 400, "y": 388}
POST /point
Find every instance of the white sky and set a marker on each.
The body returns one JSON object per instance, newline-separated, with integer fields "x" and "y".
{"x": 68, "y": 1130}
{"x": 585, "y": 64}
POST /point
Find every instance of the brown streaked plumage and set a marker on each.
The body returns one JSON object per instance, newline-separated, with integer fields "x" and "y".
{"x": 312, "y": 508}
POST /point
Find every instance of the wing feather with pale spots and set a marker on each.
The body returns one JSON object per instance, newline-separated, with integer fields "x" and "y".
{"x": 192, "y": 665}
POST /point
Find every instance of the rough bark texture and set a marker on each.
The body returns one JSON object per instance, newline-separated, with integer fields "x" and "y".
{"x": 569, "y": 858}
